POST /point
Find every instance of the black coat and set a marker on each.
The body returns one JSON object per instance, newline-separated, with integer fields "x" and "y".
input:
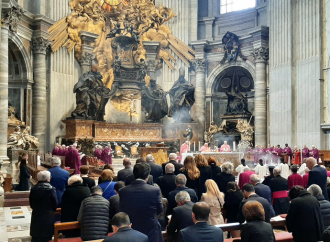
{"x": 215, "y": 170}
{"x": 193, "y": 184}
{"x": 131, "y": 178}
{"x": 328, "y": 191}
{"x": 222, "y": 180}
{"x": 206, "y": 173}
{"x": 181, "y": 218}
{"x": 304, "y": 218}
{"x": 24, "y": 179}
{"x": 232, "y": 203}
{"x": 166, "y": 183}
{"x": 155, "y": 170}
{"x": 71, "y": 201}
{"x": 200, "y": 232}
{"x": 257, "y": 231}
{"x": 127, "y": 234}
{"x": 171, "y": 197}
{"x": 269, "y": 211}
{"x": 263, "y": 191}
{"x": 318, "y": 176}
{"x": 122, "y": 174}
{"x": 267, "y": 180}
{"x": 143, "y": 203}
{"x": 325, "y": 210}
{"x": 114, "y": 205}
{"x": 43, "y": 201}
{"x": 177, "y": 166}
{"x": 281, "y": 205}
{"x": 94, "y": 218}
{"x": 87, "y": 181}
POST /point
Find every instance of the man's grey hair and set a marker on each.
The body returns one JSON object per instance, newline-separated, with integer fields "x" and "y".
{"x": 56, "y": 161}
{"x": 277, "y": 171}
{"x": 169, "y": 168}
{"x": 182, "y": 197}
{"x": 172, "y": 156}
{"x": 255, "y": 178}
{"x": 74, "y": 179}
{"x": 315, "y": 190}
{"x": 150, "y": 158}
{"x": 181, "y": 180}
{"x": 43, "y": 175}
{"x": 246, "y": 169}
{"x": 227, "y": 168}
{"x": 96, "y": 189}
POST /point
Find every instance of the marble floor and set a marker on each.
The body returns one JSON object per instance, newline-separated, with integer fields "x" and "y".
{"x": 15, "y": 224}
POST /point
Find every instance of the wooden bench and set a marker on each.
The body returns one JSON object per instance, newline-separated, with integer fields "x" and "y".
{"x": 283, "y": 237}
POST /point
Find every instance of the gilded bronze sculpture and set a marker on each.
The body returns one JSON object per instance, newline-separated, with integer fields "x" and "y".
{"x": 182, "y": 98}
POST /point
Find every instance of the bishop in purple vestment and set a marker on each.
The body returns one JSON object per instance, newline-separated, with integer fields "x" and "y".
{"x": 75, "y": 160}
{"x": 256, "y": 154}
{"x": 305, "y": 152}
{"x": 288, "y": 151}
{"x": 98, "y": 152}
{"x": 314, "y": 153}
{"x": 56, "y": 149}
{"x": 68, "y": 155}
{"x": 106, "y": 156}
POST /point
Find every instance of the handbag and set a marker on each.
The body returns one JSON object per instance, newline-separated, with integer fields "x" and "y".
{"x": 107, "y": 187}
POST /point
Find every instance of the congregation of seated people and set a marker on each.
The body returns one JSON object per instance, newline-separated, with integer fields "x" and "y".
{"x": 188, "y": 202}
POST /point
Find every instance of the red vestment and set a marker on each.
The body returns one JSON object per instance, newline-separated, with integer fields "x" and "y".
{"x": 295, "y": 180}
{"x": 305, "y": 179}
{"x": 244, "y": 178}
{"x": 296, "y": 157}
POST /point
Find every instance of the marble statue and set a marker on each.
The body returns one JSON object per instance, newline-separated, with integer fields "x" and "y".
{"x": 154, "y": 102}
{"x": 237, "y": 102}
{"x": 22, "y": 140}
{"x": 89, "y": 96}
{"x": 182, "y": 98}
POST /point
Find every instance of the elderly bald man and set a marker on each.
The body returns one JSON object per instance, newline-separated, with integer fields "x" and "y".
{"x": 317, "y": 175}
{"x": 167, "y": 182}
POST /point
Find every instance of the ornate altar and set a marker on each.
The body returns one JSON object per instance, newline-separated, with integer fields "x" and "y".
{"x": 159, "y": 153}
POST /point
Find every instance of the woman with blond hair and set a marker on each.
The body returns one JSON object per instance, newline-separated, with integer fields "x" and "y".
{"x": 215, "y": 199}
{"x": 192, "y": 173}
{"x": 206, "y": 173}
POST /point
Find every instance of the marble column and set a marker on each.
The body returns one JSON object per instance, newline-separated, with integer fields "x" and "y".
{"x": 260, "y": 99}
{"x": 200, "y": 67}
{"x": 4, "y": 91}
{"x": 86, "y": 62}
{"x": 39, "y": 92}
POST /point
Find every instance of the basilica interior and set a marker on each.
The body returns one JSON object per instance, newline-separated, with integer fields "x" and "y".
{"x": 233, "y": 79}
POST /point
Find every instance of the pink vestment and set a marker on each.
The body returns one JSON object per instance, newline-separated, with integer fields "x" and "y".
{"x": 55, "y": 151}
{"x": 244, "y": 177}
{"x": 184, "y": 148}
{"x": 205, "y": 149}
{"x": 75, "y": 161}
{"x": 106, "y": 157}
{"x": 295, "y": 180}
{"x": 305, "y": 180}
{"x": 225, "y": 148}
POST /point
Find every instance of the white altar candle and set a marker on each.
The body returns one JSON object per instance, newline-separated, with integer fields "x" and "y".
{"x": 189, "y": 146}
{"x": 199, "y": 145}
{"x": 194, "y": 146}
{"x": 234, "y": 146}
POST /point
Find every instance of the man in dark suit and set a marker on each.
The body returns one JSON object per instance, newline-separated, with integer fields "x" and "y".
{"x": 317, "y": 175}
{"x": 121, "y": 226}
{"x": 181, "y": 217}
{"x": 172, "y": 159}
{"x": 59, "y": 178}
{"x": 180, "y": 182}
{"x": 250, "y": 195}
{"x": 261, "y": 189}
{"x": 122, "y": 174}
{"x": 201, "y": 230}
{"x": 87, "y": 181}
{"x": 167, "y": 182}
{"x": 271, "y": 176}
{"x": 114, "y": 200}
{"x": 130, "y": 178}
{"x": 142, "y": 203}
{"x": 279, "y": 188}
{"x": 155, "y": 170}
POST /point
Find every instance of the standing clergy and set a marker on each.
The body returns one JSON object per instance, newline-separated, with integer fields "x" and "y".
{"x": 261, "y": 170}
{"x": 295, "y": 179}
{"x": 184, "y": 148}
{"x": 225, "y": 147}
{"x": 56, "y": 149}
{"x": 75, "y": 159}
{"x": 314, "y": 153}
{"x": 279, "y": 188}
{"x": 288, "y": 152}
{"x": 285, "y": 171}
{"x": 305, "y": 152}
{"x": 98, "y": 152}
{"x": 205, "y": 148}
{"x": 278, "y": 153}
{"x": 245, "y": 177}
{"x": 106, "y": 155}
{"x": 240, "y": 169}
{"x": 296, "y": 156}
{"x": 256, "y": 154}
